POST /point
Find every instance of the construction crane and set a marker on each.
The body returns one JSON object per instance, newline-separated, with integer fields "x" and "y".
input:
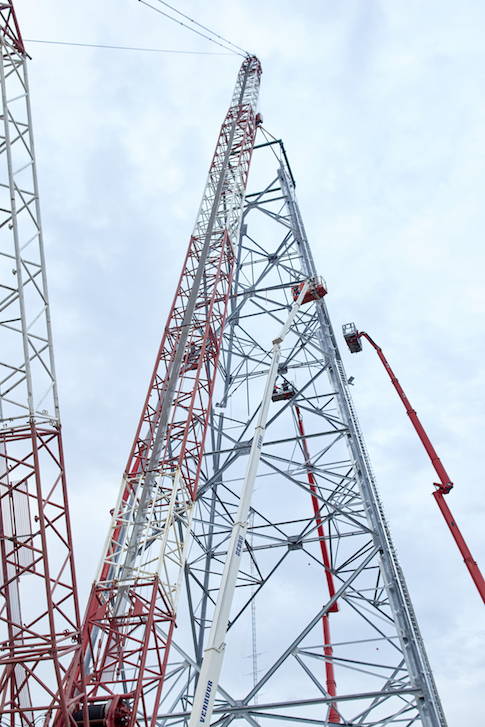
{"x": 39, "y": 609}
{"x": 444, "y": 485}
{"x": 135, "y": 595}
{"x": 214, "y": 653}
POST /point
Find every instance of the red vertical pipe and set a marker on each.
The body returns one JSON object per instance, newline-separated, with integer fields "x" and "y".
{"x": 330, "y": 683}
{"x": 333, "y": 715}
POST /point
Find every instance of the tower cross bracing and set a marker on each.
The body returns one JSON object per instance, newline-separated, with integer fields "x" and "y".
{"x": 379, "y": 662}
{"x": 338, "y": 639}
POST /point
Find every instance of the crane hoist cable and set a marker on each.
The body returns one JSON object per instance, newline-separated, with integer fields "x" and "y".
{"x": 197, "y": 32}
{"x": 204, "y": 27}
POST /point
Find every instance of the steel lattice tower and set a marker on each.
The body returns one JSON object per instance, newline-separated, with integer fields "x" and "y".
{"x": 337, "y": 634}
{"x": 338, "y": 638}
{"x": 39, "y": 613}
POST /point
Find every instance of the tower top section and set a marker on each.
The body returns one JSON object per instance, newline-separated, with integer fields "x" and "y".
{"x": 9, "y": 27}
{"x": 246, "y": 89}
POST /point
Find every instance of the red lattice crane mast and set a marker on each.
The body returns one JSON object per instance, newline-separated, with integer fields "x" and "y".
{"x": 132, "y": 608}
{"x": 352, "y": 337}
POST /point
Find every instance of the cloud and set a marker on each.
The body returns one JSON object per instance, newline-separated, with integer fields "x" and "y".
{"x": 381, "y": 110}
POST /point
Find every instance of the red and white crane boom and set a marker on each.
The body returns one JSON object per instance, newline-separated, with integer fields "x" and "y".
{"x": 132, "y": 608}
{"x": 352, "y": 337}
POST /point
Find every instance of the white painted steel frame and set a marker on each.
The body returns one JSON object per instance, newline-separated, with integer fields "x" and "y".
{"x": 27, "y": 371}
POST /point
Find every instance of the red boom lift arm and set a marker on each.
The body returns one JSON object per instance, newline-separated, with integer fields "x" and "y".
{"x": 352, "y": 338}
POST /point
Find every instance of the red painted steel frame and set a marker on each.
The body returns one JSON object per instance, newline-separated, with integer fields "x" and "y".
{"x": 10, "y": 27}
{"x": 38, "y": 565}
{"x": 39, "y": 610}
{"x": 128, "y": 643}
{"x": 331, "y": 686}
{"x": 445, "y": 484}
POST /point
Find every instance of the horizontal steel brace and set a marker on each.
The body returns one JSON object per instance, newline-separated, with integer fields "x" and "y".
{"x": 241, "y": 709}
{"x": 245, "y": 446}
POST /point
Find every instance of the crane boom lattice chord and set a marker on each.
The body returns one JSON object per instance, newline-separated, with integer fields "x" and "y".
{"x": 133, "y": 605}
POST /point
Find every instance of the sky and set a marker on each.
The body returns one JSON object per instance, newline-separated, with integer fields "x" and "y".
{"x": 381, "y": 109}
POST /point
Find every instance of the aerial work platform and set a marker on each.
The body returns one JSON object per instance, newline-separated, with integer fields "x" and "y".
{"x": 352, "y": 337}
{"x": 317, "y": 289}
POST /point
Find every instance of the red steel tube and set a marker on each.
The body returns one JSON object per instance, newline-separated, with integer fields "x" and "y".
{"x": 445, "y": 484}
{"x": 331, "y": 685}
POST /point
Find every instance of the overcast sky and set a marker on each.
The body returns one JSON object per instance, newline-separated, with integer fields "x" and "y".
{"x": 381, "y": 108}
